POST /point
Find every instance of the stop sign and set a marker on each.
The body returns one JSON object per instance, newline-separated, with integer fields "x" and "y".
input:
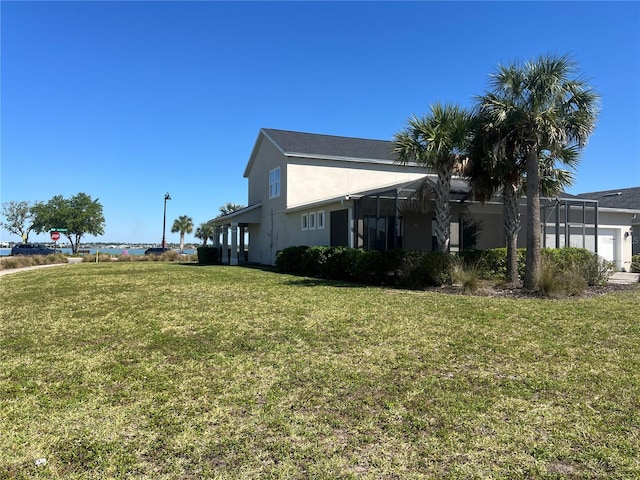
{"x": 55, "y": 236}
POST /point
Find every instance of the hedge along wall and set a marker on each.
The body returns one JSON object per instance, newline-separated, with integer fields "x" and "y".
{"x": 417, "y": 269}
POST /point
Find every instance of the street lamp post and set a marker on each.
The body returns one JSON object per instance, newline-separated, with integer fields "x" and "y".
{"x": 164, "y": 218}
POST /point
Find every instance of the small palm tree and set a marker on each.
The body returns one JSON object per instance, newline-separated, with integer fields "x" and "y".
{"x": 495, "y": 167}
{"x": 205, "y": 232}
{"x": 549, "y": 110}
{"x": 438, "y": 141}
{"x": 228, "y": 208}
{"x": 182, "y": 224}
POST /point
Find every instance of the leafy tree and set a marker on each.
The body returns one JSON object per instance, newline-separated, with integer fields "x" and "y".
{"x": 549, "y": 111}
{"x": 184, "y": 225}
{"x": 18, "y": 218}
{"x": 228, "y": 208}
{"x": 205, "y": 232}
{"x": 79, "y": 214}
{"x": 439, "y": 141}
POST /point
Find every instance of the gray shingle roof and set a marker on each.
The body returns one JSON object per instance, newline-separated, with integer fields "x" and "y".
{"x": 625, "y": 198}
{"x": 315, "y": 145}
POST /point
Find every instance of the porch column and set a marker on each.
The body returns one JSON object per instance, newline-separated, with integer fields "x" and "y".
{"x": 242, "y": 245}
{"x": 216, "y": 236}
{"x": 225, "y": 244}
{"x": 234, "y": 243}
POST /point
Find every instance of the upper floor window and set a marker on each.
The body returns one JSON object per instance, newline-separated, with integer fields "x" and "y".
{"x": 274, "y": 182}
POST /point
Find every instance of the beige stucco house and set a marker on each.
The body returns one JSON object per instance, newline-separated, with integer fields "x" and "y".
{"x": 311, "y": 189}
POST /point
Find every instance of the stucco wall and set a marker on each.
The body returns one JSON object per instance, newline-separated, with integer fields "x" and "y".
{"x": 309, "y": 181}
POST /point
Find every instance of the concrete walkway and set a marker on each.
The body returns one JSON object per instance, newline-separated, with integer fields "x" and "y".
{"x": 624, "y": 278}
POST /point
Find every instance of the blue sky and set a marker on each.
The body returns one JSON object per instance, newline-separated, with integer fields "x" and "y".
{"x": 125, "y": 101}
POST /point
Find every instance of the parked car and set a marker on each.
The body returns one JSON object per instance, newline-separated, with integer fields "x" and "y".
{"x": 32, "y": 249}
{"x": 156, "y": 250}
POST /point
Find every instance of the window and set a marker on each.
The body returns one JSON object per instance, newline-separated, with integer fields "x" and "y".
{"x": 274, "y": 182}
{"x": 320, "y": 220}
{"x": 312, "y": 221}
{"x": 304, "y": 224}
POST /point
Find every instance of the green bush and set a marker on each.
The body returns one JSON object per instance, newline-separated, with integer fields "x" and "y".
{"x": 290, "y": 259}
{"x": 581, "y": 262}
{"x": 635, "y": 264}
{"x": 493, "y": 262}
{"x": 208, "y": 255}
{"x": 556, "y": 281}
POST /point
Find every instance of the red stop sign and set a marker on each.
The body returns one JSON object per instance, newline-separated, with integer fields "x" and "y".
{"x": 55, "y": 236}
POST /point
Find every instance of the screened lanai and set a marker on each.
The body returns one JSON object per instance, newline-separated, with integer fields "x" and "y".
{"x": 570, "y": 222}
{"x": 381, "y": 215}
{"x": 402, "y": 217}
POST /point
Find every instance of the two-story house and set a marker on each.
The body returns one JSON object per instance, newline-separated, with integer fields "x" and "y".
{"x": 311, "y": 189}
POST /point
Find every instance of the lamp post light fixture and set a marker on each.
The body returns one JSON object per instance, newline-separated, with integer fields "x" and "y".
{"x": 164, "y": 218}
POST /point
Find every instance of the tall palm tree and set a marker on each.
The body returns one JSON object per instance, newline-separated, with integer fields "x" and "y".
{"x": 438, "y": 141}
{"x": 205, "y": 232}
{"x": 182, "y": 224}
{"x": 496, "y": 167}
{"x": 548, "y": 110}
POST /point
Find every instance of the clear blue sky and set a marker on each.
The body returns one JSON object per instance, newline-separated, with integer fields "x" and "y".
{"x": 128, "y": 100}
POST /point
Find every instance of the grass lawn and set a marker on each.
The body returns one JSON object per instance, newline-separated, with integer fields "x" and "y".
{"x": 163, "y": 371}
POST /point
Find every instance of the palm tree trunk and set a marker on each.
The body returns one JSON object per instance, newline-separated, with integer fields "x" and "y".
{"x": 511, "y": 219}
{"x": 443, "y": 208}
{"x": 181, "y": 242}
{"x": 534, "y": 236}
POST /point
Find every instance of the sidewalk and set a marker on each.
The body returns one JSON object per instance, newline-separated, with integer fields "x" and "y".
{"x": 624, "y": 278}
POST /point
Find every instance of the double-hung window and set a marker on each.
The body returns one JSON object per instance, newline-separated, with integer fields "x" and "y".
{"x": 274, "y": 182}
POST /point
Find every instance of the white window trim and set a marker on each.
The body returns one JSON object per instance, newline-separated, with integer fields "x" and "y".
{"x": 274, "y": 185}
{"x": 304, "y": 221}
{"x": 312, "y": 221}
{"x": 320, "y": 216}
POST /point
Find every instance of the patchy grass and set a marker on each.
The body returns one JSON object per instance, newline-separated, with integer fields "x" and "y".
{"x": 161, "y": 370}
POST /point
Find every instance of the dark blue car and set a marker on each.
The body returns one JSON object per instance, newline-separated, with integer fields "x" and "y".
{"x": 32, "y": 249}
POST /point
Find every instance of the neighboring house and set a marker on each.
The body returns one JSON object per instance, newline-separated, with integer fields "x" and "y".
{"x": 310, "y": 189}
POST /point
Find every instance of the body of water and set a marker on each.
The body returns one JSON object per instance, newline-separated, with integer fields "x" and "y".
{"x": 108, "y": 251}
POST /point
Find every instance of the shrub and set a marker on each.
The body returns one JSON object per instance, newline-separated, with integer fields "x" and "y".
{"x": 493, "y": 262}
{"x": 290, "y": 259}
{"x": 465, "y": 274}
{"x": 410, "y": 273}
{"x": 635, "y": 264}
{"x": 593, "y": 269}
{"x": 208, "y": 255}
{"x": 437, "y": 267}
{"x": 8, "y": 263}
{"x": 565, "y": 280}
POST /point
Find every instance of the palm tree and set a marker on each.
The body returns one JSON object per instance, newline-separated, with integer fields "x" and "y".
{"x": 495, "y": 167}
{"x": 182, "y": 224}
{"x": 548, "y": 111}
{"x": 438, "y": 141}
{"x": 205, "y": 232}
{"x": 228, "y": 208}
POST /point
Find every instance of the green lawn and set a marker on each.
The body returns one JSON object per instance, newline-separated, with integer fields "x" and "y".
{"x": 161, "y": 370}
